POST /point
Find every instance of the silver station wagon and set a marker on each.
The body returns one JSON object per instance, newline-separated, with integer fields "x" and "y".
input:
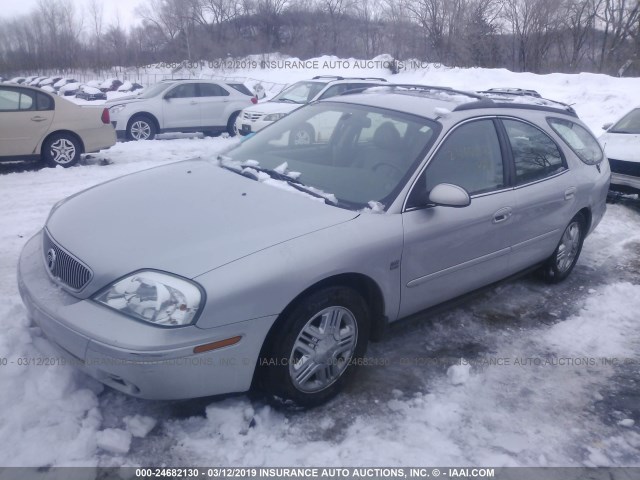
{"x": 273, "y": 265}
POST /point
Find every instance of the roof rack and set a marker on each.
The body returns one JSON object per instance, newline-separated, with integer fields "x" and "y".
{"x": 494, "y": 98}
{"x": 318, "y": 77}
{"x": 512, "y": 91}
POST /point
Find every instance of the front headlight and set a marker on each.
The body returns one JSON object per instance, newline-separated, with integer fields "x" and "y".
{"x": 272, "y": 117}
{"x": 154, "y": 297}
{"x": 116, "y": 109}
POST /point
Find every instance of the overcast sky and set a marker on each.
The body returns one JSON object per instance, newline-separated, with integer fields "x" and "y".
{"x": 124, "y": 8}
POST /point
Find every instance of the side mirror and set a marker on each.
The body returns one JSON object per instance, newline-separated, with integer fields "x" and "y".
{"x": 607, "y": 126}
{"x": 448, "y": 195}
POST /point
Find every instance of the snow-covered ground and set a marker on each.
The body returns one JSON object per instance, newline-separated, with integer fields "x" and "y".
{"x": 524, "y": 374}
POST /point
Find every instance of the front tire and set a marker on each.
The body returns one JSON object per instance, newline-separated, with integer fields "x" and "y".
{"x": 61, "y": 149}
{"x": 313, "y": 351}
{"x": 141, "y": 127}
{"x": 558, "y": 267}
{"x": 302, "y": 135}
{"x": 231, "y": 124}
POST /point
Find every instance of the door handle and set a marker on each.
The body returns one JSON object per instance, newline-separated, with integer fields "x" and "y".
{"x": 569, "y": 193}
{"x": 193, "y": 102}
{"x": 38, "y": 119}
{"x": 502, "y": 215}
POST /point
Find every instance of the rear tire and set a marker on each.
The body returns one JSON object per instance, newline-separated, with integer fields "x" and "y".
{"x": 315, "y": 347}
{"x": 559, "y": 266}
{"x": 61, "y": 149}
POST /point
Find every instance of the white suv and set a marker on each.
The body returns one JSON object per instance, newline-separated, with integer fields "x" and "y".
{"x": 295, "y": 96}
{"x": 179, "y": 106}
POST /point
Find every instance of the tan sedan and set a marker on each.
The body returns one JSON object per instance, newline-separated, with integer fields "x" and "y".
{"x": 35, "y": 124}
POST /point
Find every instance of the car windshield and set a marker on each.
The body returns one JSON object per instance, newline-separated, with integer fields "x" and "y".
{"x": 301, "y": 92}
{"x": 630, "y": 123}
{"x": 351, "y": 153}
{"x": 154, "y": 90}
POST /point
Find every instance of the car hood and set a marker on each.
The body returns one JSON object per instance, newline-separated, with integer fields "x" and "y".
{"x": 185, "y": 218}
{"x": 274, "y": 107}
{"x": 125, "y": 99}
{"x": 621, "y": 146}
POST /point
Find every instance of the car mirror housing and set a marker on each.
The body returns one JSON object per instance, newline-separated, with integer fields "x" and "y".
{"x": 448, "y": 195}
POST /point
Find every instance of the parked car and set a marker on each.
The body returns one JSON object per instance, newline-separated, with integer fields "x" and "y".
{"x": 49, "y": 81}
{"x": 37, "y": 125}
{"x": 86, "y": 92}
{"x": 127, "y": 86}
{"x": 273, "y": 265}
{"x": 62, "y": 82}
{"x": 36, "y": 81}
{"x": 69, "y": 89}
{"x": 621, "y": 143}
{"x": 178, "y": 106}
{"x": 255, "y": 118}
{"x": 110, "y": 85}
{"x": 16, "y": 80}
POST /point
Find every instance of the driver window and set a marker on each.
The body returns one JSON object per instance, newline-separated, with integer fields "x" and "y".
{"x": 470, "y": 158}
{"x": 186, "y": 90}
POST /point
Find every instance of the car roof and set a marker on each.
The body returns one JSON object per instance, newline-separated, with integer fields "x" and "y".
{"x": 435, "y": 101}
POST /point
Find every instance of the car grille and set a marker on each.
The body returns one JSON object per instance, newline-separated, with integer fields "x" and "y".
{"x": 251, "y": 116}
{"x": 63, "y": 266}
{"x": 625, "y": 168}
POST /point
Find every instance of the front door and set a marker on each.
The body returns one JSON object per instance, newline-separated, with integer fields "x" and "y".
{"x": 450, "y": 251}
{"x": 181, "y": 107}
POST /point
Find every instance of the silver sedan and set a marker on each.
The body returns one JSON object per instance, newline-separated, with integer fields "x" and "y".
{"x": 273, "y": 265}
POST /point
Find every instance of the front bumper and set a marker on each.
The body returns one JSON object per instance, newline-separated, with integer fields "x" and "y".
{"x": 629, "y": 181}
{"x": 245, "y": 126}
{"x": 133, "y": 357}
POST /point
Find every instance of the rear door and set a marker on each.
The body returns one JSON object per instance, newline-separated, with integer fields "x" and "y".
{"x": 213, "y": 102}
{"x": 181, "y": 107}
{"x": 545, "y": 189}
{"x": 450, "y": 251}
{"x": 25, "y": 117}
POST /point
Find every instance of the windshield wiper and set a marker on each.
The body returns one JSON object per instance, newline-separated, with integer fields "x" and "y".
{"x": 287, "y": 100}
{"x": 304, "y": 188}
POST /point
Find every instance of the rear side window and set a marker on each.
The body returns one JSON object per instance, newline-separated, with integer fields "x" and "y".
{"x": 45, "y": 102}
{"x": 535, "y": 154}
{"x": 212, "y": 90}
{"x": 16, "y": 100}
{"x": 579, "y": 139}
{"x": 241, "y": 88}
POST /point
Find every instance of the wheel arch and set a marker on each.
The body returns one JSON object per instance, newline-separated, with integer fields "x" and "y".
{"x": 65, "y": 132}
{"x": 586, "y": 213}
{"x": 364, "y": 285}
{"x": 150, "y": 116}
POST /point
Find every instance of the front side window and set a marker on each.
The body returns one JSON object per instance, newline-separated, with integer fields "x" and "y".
{"x": 301, "y": 92}
{"x": 186, "y": 90}
{"x": 535, "y": 154}
{"x": 356, "y": 153}
{"x": 470, "y": 157}
{"x": 579, "y": 139}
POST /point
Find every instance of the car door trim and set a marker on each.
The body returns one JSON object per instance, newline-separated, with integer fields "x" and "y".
{"x": 526, "y": 243}
{"x": 470, "y": 263}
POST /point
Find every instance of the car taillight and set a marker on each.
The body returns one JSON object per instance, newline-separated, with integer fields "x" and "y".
{"x": 254, "y": 100}
{"x": 105, "y": 116}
